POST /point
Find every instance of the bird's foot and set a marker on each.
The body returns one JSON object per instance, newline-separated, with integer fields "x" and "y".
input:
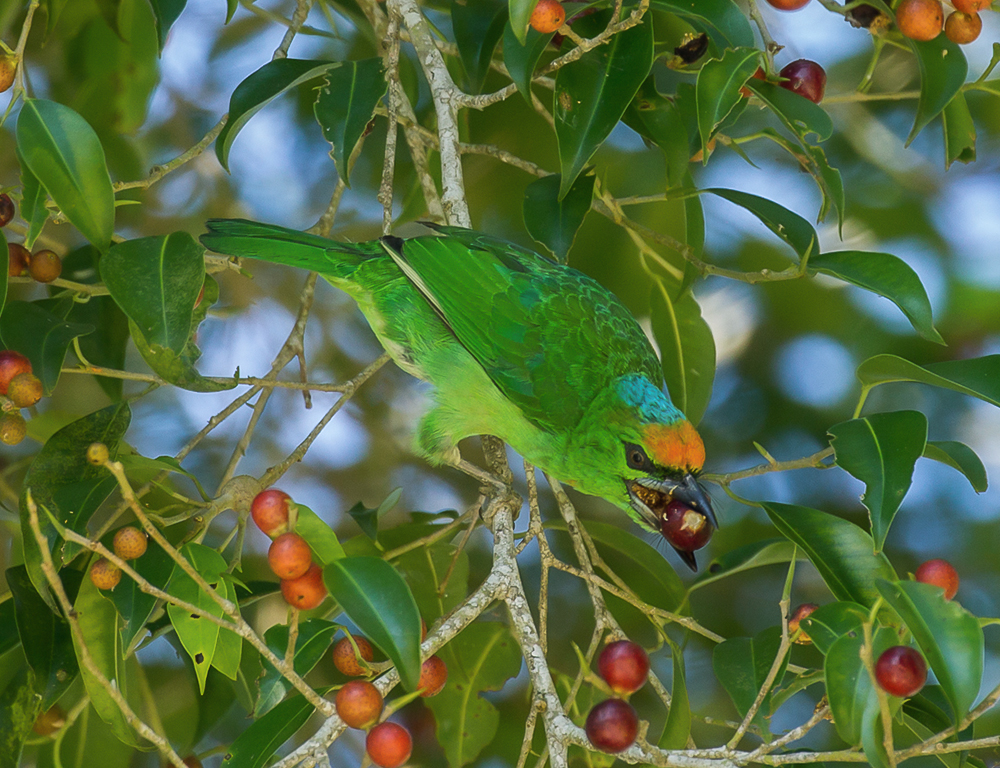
{"x": 494, "y": 491}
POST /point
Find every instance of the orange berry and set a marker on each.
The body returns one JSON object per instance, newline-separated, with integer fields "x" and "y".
{"x": 548, "y": 16}
{"x": 940, "y": 573}
{"x": 346, "y": 660}
{"x": 130, "y": 543}
{"x": 289, "y": 556}
{"x": 972, "y": 6}
{"x": 389, "y": 745}
{"x": 788, "y": 5}
{"x": 359, "y": 704}
{"x": 270, "y": 511}
{"x": 45, "y": 266}
{"x": 8, "y": 68}
{"x": 307, "y": 591}
{"x": 963, "y": 28}
{"x": 17, "y": 259}
{"x": 433, "y": 676}
{"x": 920, "y": 19}
{"x": 105, "y": 574}
{"x": 796, "y": 619}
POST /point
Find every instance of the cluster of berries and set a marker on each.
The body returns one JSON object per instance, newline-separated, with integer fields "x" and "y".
{"x": 20, "y": 389}
{"x": 612, "y": 725}
{"x": 44, "y": 266}
{"x": 289, "y": 556}
{"x": 900, "y": 670}
{"x": 129, "y": 543}
{"x": 360, "y": 704}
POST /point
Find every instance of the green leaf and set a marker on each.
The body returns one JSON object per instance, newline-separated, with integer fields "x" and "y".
{"x": 659, "y": 121}
{"x": 61, "y": 480}
{"x": 45, "y": 636}
{"x": 800, "y": 115}
{"x": 260, "y": 89}
{"x": 687, "y": 349}
{"x": 133, "y": 605}
{"x": 521, "y": 57}
{"x": 948, "y": 635}
{"x": 229, "y": 647}
{"x": 961, "y": 457}
{"x": 478, "y": 27}
{"x": 976, "y": 376}
{"x": 552, "y": 221}
{"x": 66, "y": 156}
{"x": 943, "y": 69}
{"x": 677, "y": 729}
{"x": 755, "y": 555}
{"x": 368, "y": 519}
{"x": 377, "y": 600}
{"x": 425, "y": 569}
{"x": 881, "y": 450}
{"x": 166, "y": 12}
{"x": 813, "y": 161}
{"x": 723, "y": 20}
{"x": 41, "y": 336}
{"x": 33, "y": 197}
{"x": 849, "y": 687}
{"x": 520, "y": 15}
{"x": 258, "y": 742}
{"x": 717, "y": 90}
{"x": 156, "y": 281}
{"x": 959, "y": 132}
{"x": 8, "y": 627}
{"x": 345, "y": 105}
{"x": 830, "y": 622}
{"x": 741, "y": 664}
{"x": 20, "y": 706}
{"x": 481, "y": 658}
{"x": 842, "y": 552}
{"x": 231, "y": 6}
{"x": 787, "y": 225}
{"x": 315, "y": 637}
{"x": 322, "y": 539}
{"x": 885, "y": 275}
{"x": 591, "y": 95}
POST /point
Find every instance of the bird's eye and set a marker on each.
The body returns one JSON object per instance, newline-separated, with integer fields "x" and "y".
{"x": 635, "y": 457}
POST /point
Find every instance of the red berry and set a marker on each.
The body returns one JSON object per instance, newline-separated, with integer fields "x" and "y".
{"x": 685, "y": 528}
{"x": 289, "y": 556}
{"x": 963, "y": 28}
{"x": 624, "y": 666}
{"x": 17, "y": 259}
{"x": 806, "y": 78}
{"x": 612, "y": 725}
{"x": 130, "y": 543}
{"x": 359, "y": 704}
{"x": 307, "y": 591}
{"x": 6, "y": 210}
{"x": 345, "y": 659}
{"x": 548, "y": 16}
{"x": 901, "y": 671}
{"x": 433, "y": 676}
{"x": 796, "y": 618}
{"x": 25, "y": 390}
{"x": 389, "y": 745}
{"x": 11, "y": 364}
{"x": 45, "y": 266}
{"x": 270, "y": 511}
{"x": 971, "y": 6}
{"x": 940, "y": 573}
{"x": 920, "y": 19}
{"x": 788, "y": 5}
{"x": 105, "y": 574}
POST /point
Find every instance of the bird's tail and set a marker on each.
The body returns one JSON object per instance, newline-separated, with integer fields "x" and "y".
{"x": 269, "y": 242}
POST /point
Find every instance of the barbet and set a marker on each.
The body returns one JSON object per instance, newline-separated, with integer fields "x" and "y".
{"x": 516, "y": 346}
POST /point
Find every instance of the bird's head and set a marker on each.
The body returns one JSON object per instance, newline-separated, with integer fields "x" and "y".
{"x": 651, "y": 456}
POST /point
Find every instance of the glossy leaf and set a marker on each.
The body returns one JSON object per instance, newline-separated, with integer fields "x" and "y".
{"x": 345, "y": 105}
{"x": 65, "y": 155}
{"x": 552, "y": 221}
{"x": 591, "y": 95}
{"x": 849, "y": 687}
{"x": 881, "y": 450}
{"x": 959, "y": 132}
{"x": 976, "y": 376}
{"x": 658, "y": 120}
{"x": 33, "y": 198}
{"x": 961, "y": 457}
{"x": 61, "y": 480}
{"x": 425, "y": 569}
{"x": 885, "y": 275}
{"x": 943, "y": 69}
{"x": 322, "y": 539}
{"x": 723, "y": 20}
{"x": 229, "y": 647}
{"x": 521, "y": 57}
{"x": 677, "y": 729}
{"x": 165, "y": 12}
{"x": 481, "y": 658}
{"x": 755, "y": 555}
{"x": 520, "y": 15}
{"x": 741, "y": 664}
{"x": 40, "y": 335}
{"x": 842, "y": 552}
{"x": 478, "y": 28}
{"x": 368, "y": 519}
{"x": 315, "y": 637}
{"x": 687, "y": 348}
{"x": 948, "y": 635}
{"x": 786, "y": 224}
{"x": 380, "y": 604}
{"x": 133, "y": 605}
{"x": 832, "y": 621}
{"x": 156, "y": 281}
{"x": 258, "y": 742}
{"x": 813, "y": 161}
{"x": 800, "y": 115}
{"x": 717, "y": 90}
{"x": 260, "y": 89}
{"x": 19, "y": 708}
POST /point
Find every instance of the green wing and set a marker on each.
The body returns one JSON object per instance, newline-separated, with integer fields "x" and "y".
{"x": 549, "y": 336}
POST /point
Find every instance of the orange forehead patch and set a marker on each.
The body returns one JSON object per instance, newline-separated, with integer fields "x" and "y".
{"x": 675, "y": 445}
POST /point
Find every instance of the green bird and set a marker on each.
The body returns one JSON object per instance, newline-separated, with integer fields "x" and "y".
{"x": 520, "y": 347}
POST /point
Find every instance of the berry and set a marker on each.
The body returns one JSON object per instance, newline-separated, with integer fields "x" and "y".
{"x": 963, "y": 28}
{"x": 971, "y": 6}
{"x": 11, "y": 364}
{"x": 920, "y": 19}
{"x": 389, "y": 745}
{"x": 793, "y": 622}
{"x": 97, "y": 454}
{"x": 359, "y": 704}
{"x": 50, "y": 721}
{"x": 901, "y": 671}
{"x": 433, "y": 676}
{"x": 25, "y": 390}
{"x": 44, "y": 266}
{"x": 624, "y": 666}
{"x": 270, "y": 511}
{"x": 307, "y": 591}
{"x": 130, "y": 543}
{"x": 806, "y": 78}
{"x": 686, "y": 529}
{"x": 13, "y": 428}
{"x": 548, "y": 16}
{"x": 8, "y": 67}
{"x": 758, "y": 75}
{"x": 289, "y": 556}
{"x": 7, "y": 210}
{"x": 940, "y": 573}
{"x": 346, "y": 660}
{"x": 192, "y": 761}
{"x": 788, "y": 5}
{"x": 17, "y": 259}
{"x": 612, "y": 725}
{"x": 105, "y": 574}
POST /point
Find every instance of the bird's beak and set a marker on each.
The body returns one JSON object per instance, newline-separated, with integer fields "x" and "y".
{"x": 690, "y": 492}
{"x": 649, "y": 496}
{"x": 688, "y": 558}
